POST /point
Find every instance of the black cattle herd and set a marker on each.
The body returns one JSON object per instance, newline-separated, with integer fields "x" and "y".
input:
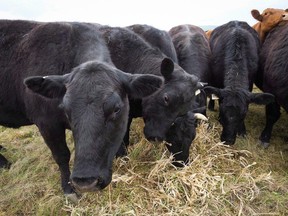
{"x": 94, "y": 79}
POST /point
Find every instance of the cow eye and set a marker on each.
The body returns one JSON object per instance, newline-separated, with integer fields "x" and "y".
{"x": 112, "y": 106}
{"x": 166, "y": 99}
{"x": 117, "y": 109}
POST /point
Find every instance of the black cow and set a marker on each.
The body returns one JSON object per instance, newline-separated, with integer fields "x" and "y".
{"x": 235, "y": 60}
{"x": 156, "y": 38}
{"x": 193, "y": 50}
{"x": 194, "y": 54}
{"x": 91, "y": 99}
{"x": 129, "y": 52}
{"x": 273, "y": 76}
{"x": 182, "y": 132}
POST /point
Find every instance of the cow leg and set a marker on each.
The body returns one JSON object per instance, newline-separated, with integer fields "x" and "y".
{"x": 54, "y": 136}
{"x": 122, "y": 151}
{"x": 272, "y": 116}
{"x": 4, "y": 163}
{"x": 242, "y": 130}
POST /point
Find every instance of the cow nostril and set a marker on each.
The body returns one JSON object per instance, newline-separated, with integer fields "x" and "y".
{"x": 154, "y": 138}
{"x": 84, "y": 182}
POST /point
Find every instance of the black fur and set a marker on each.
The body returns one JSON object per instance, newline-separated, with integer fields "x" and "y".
{"x": 91, "y": 99}
{"x": 235, "y": 50}
{"x": 131, "y": 53}
{"x": 273, "y": 76}
{"x": 156, "y": 38}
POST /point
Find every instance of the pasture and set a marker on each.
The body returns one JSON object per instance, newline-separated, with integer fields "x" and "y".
{"x": 220, "y": 180}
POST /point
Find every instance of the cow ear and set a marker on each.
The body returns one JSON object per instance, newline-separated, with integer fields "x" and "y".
{"x": 47, "y": 86}
{"x": 210, "y": 90}
{"x": 256, "y": 14}
{"x": 261, "y": 98}
{"x": 139, "y": 86}
{"x": 167, "y": 68}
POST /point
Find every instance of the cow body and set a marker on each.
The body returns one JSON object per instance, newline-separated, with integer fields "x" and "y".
{"x": 129, "y": 52}
{"x": 70, "y": 82}
{"x": 193, "y": 51}
{"x": 156, "y": 38}
{"x": 273, "y": 75}
{"x": 194, "y": 54}
{"x": 235, "y": 58}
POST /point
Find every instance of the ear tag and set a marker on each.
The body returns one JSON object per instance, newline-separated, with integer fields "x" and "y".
{"x": 197, "y": 92}
{"x": 214, "y": 97}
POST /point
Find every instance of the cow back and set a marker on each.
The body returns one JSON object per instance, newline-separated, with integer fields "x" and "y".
{"x": 235, "y": 55}
{"x": 156, "y": 38}
{"x": 130, "y": 52}
{"x": 193, "y": 51}
{"x": 30, "y": 48}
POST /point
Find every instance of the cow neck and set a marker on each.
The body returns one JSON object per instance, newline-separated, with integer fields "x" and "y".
{"x": 258, "y": 28}
{"x": 149, "y": 63}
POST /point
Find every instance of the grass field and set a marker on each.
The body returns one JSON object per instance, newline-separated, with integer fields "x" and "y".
{"x": 240, "y": 180}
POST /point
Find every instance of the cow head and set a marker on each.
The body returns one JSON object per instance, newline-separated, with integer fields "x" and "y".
{"x": 95, "y": 100}
{"x": 269, "y": 18}
{"x": 180, "y": 136}
{"x": 233, "y": 109}
{"x": 175, "y": 98}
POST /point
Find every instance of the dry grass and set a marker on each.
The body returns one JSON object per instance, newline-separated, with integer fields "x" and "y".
{"x": 240, "y": 180}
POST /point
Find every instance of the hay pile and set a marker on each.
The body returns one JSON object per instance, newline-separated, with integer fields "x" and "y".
{"x": 219, "y": 180}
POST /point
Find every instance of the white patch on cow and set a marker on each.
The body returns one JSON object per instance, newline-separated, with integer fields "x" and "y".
{"x": 200, "y": 116}
{"x": 214, "y": 97}
{"x": 197, "y": 92}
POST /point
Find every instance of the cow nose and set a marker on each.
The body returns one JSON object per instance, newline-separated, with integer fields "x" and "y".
{"x": 155, "y": 138}
{"x": 86, "y": 184}
{"x": 152, "y": 135}
{"x": 228, "y": 141}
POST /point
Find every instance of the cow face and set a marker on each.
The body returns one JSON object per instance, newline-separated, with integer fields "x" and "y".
{"x": 180, "y": 136}
{"x": 233, "y": 107}
{"x": 94, "y": 99}
{"x": 270, "y": 17}
{"x": 174, "y": 99}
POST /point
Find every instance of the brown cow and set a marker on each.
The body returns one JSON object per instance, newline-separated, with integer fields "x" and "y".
{"x": 269, "y": 19}
{"x": 208, "y": 33}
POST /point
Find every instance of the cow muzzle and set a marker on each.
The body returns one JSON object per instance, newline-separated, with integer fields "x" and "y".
{"x": 228, "y": 140}
{"x": 152, "y": 134}
{"x": 86, "y": 184}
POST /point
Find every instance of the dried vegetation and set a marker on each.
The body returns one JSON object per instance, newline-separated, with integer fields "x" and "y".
{"x": 219, "y": 180}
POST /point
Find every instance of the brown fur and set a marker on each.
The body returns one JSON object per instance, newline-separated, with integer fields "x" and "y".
{"x": 269, "y": 19}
